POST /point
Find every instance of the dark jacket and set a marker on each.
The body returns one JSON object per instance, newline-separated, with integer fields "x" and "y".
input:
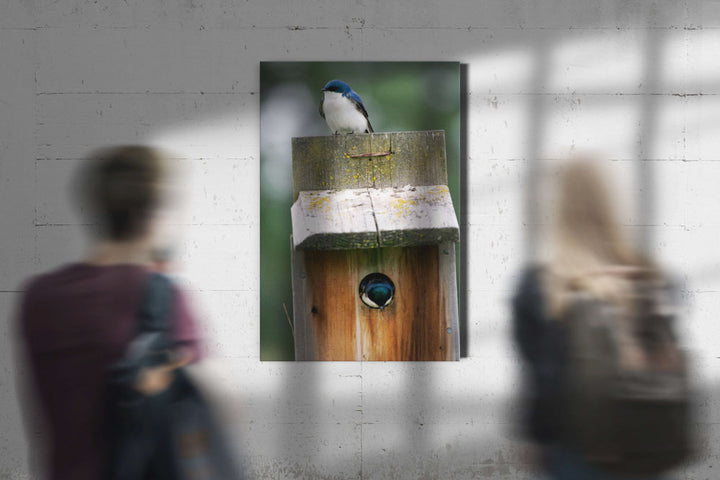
{"x": 542, "y": 344}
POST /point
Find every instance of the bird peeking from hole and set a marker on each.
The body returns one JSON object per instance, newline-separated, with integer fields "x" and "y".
{"x": 343, "y": 109}
{"x": 377, "y": 291}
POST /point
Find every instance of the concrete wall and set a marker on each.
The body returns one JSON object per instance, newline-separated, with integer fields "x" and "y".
{"x": 632, "y": 79}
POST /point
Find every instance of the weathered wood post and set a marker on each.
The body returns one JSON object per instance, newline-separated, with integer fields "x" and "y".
{"x": 373, "y": 204}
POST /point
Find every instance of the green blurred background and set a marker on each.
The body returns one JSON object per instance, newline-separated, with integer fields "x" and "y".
{"x": 399, "y": 96}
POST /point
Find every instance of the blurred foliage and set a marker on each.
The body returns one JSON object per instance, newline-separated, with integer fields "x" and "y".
{"x": 399, "y": 96}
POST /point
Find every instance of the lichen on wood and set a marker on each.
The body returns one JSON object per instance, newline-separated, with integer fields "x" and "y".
{"x": 374, "y": 217}
{"x": 376, "y": 160}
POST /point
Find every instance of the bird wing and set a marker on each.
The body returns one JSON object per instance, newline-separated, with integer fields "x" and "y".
{"x": 322, "y": 112}
{"x": 358, "y": 102}
{"x": 355, "y": 98}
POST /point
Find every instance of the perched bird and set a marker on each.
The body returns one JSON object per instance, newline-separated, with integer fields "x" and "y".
{"x": 377, "y": 290}
{"x": 343, "y": 109}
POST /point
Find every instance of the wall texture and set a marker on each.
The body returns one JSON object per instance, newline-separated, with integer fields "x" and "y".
{"x": 638, "y": 81}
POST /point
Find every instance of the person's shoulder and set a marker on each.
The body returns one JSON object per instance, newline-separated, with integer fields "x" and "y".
{"x": 65, "y": 276}
{"x": 530, "y": 277}
{"x": 38, "y": 291}
{"x": 529, "y": 293}
{"x": 41, "y": 281}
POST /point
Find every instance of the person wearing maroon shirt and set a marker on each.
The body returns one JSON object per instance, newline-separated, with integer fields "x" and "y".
{"x": 74, "y": 322}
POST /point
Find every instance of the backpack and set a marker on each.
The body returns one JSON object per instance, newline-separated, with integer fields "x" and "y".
{"x": 172, "y": 435}
{"x": 626, "y": 393}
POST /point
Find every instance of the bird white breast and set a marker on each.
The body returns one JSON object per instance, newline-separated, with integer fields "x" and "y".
{"x": 341, "y": 114}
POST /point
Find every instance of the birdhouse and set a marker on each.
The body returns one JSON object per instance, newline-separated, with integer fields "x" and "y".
{"x": 373, "y": 248}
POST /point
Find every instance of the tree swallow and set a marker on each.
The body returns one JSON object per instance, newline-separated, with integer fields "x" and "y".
{"x": 343, "y": 109}
{"x": 377, "y": 290}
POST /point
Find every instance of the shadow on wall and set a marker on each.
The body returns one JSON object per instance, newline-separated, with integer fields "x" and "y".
{"x": 533, "y": 96}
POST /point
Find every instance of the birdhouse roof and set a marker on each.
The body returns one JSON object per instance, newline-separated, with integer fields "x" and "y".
{"x": 374, "y": 217}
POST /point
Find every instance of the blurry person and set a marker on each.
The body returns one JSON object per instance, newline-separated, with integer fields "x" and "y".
{"x": 77, "y": 320}
{"x": 607, "y": 391}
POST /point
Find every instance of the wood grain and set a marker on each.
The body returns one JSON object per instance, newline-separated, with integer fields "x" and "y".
{"x": 341, "y": 327}
{"x": 331, "y": 162}
{"x": 366, "y": 204}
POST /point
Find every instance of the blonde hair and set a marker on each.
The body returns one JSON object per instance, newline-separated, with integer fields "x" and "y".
{"x": 590, "y": 252}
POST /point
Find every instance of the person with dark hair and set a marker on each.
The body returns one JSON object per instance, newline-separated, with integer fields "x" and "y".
{"x": 123, "y": 188}
{"x": 76, "y": 321}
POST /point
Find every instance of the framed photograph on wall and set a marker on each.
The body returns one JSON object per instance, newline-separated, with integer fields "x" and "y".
{"x": 360, "y": 190}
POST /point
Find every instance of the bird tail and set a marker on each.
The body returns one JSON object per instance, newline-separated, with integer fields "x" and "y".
{"x": 369, "y": 128}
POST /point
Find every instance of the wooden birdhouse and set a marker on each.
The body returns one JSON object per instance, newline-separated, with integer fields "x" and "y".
{"x": 373, "y": 248}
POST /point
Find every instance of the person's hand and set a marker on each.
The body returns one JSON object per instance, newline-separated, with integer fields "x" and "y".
{"x": 154, "y": 380}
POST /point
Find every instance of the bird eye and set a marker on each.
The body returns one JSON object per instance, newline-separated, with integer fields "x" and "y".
{"x": 377, "y": 290}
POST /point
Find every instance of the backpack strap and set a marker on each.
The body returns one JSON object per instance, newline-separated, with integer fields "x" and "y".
{"x": 156, "y": 307}
{"x": 152, "y": 344}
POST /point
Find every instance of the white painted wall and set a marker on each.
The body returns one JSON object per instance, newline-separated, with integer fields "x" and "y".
{"x": 630, "y": 78}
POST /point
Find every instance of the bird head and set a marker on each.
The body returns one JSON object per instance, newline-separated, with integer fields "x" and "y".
{"x": 337, "y": 86}
{"x": 377, "y": 290}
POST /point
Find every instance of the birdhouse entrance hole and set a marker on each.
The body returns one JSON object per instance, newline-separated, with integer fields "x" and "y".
{"x": 377, "y": 291}
{"x": 373, "y": 248}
